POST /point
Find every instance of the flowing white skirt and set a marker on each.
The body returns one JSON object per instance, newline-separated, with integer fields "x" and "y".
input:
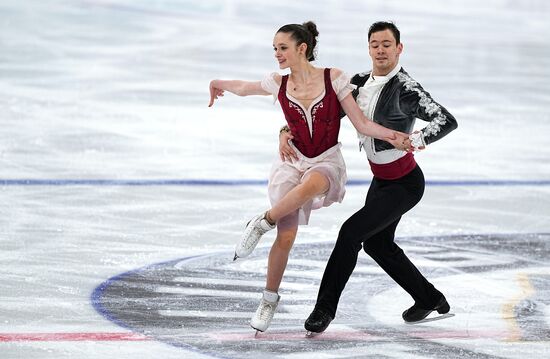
{"x": 286, "y": 175}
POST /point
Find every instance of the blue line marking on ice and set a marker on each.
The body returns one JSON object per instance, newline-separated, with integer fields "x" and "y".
{"x": 97, "y": 295}
{"x": 237, "y": 182}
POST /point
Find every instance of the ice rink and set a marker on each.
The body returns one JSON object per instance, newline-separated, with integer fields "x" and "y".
{"x": 123, "y": 194}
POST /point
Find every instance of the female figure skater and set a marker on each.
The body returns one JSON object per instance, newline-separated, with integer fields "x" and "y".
{"x": 311, "y": 99}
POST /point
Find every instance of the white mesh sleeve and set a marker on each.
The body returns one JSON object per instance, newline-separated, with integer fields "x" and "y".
{"x": 270, "y": 85}
{"x": 342, "y": 86}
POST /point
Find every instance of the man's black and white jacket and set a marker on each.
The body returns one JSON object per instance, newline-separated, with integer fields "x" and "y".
{"x": 395, "y": 101}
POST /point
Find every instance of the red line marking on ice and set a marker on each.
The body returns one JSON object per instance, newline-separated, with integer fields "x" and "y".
{"x": 70, "y": 337}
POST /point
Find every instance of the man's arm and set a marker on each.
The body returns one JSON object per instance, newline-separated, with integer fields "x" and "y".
{"x": 422, "y": 106}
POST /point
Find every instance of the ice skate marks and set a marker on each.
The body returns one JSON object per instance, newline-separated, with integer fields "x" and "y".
{"x": 206, "y": 302}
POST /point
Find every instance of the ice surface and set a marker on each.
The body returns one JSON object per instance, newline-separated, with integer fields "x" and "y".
{"x": 134, "y": 261}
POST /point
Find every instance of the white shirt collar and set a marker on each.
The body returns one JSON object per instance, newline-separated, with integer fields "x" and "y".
{"x": 387, "y": 77}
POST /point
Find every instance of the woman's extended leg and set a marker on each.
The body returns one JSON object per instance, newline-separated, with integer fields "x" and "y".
{"x": 314, "y": 184}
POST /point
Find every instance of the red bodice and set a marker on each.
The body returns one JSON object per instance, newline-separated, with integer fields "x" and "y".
{"x": 325, "y": 116}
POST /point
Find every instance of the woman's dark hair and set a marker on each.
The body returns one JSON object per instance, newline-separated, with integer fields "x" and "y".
{"x": 306, "y": 33}
{"x": 385, "y": 25}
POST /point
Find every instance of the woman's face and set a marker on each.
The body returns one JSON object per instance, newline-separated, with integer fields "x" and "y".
{"x": 286, "y": 51}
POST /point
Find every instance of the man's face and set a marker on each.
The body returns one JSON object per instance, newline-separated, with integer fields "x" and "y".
{"x": 384, "y": 52}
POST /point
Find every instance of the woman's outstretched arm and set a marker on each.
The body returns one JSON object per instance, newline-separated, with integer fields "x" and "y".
{"x": 238, "y": 87}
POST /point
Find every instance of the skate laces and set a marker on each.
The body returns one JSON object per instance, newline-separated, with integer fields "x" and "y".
{"x": 267, "y": 310}
{"x": 258, "y": 230}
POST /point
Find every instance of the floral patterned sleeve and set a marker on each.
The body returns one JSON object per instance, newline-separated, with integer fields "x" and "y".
{"x": 422, "y": 106}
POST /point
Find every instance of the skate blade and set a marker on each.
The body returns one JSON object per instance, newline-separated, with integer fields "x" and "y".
{"x": 310, "y": 334}
{"x": 235, "y": 257}
{"x": 257, "y": 334}
{"x": 433, "y": 319}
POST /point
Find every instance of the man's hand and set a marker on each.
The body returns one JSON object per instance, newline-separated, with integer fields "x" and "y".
{"x": 417, "y": 140}
{"x": 285, "y": 151}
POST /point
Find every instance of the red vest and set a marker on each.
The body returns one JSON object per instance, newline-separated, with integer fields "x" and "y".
{"x": 325, "y": 116}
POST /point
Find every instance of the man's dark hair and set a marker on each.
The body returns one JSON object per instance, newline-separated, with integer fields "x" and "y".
{"x": 385, "y": 25}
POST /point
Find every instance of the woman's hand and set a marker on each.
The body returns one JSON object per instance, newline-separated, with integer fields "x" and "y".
{"x": 215, "y": 92}
{"x": 401, "y": 141}
{"x": 285, "y": 151}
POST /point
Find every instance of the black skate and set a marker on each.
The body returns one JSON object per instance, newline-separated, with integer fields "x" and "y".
{"x": 416, "y": 314}
{"x": 317, "y": 322}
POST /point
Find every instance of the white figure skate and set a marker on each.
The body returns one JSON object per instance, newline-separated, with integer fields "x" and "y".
{"x": 254, "y": 230}
{"x": 264, "y": 314}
